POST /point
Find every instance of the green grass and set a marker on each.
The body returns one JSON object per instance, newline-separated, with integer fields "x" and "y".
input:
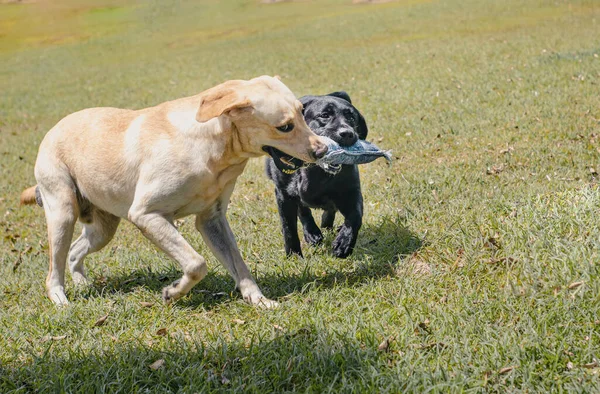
{"x": 473, "y": 240}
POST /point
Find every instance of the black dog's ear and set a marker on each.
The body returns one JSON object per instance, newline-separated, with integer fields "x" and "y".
{"x": 362, "y": 127}
{"x": 306, "y": 100}
{"x": 341, "y": 94}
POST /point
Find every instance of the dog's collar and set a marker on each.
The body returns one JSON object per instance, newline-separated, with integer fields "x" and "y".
{"x": 330, "y": 169}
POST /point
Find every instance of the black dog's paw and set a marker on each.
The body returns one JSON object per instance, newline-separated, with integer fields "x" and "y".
{"x": 289, "y": 252}
{"x": 314, "y": 239}
{"x": 343, "y": 245}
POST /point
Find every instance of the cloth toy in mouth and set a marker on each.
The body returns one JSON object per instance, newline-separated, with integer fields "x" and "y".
{"x": 361, "y": 152}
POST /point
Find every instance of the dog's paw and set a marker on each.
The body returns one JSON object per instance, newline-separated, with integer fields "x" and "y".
{"x": 259, "y": 300}
{"x": 58, "y": 297}
{"x": 313, "y": 239}
{"x": 171, "y": 293}
{"x": 342, "y": 251}
{"x": 343, "y": 245}
{"x": 289, "y": 252}
{"x": 267, "y": 303}
{"x": 80, "y": 280}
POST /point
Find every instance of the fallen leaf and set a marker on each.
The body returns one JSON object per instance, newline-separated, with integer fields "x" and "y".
{"x": 146, "y": 304}
{"x": 458, "y": 262}
{"x": 492, "y": 242}
{"x": 427, "y": 346}
{"x": 503, "y": 260}
{"x": 424, "y": 326}
{"x": 506, "y": 370}
{"x": 494, "y": 170}
{"x": 17, "y": 263}
{"x": 101, "y": 321}
{"x": 383, "y": 346}
{"x": 157, "y": 364}
{"x": 51, "y": 338}
{"x": 278, "y": 327}
{"x": 591, "y": 365}
{"x": 575, "y": 285}
{"x": 238, "y": 321}
{"x": 161, "y": 332}
{"x": 569, "y": 365}
{"x": 556, "y": 290}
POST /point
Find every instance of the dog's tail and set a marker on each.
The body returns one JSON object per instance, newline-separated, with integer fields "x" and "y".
{"x": 31, "y": 196}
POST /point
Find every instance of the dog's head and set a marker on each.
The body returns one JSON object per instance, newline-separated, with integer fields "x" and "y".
{"x": 334, "y": 116}
{"x": 266, "y": 117}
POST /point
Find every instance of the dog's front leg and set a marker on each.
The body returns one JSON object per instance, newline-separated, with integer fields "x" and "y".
{"x": 312, "y": 233}
{"x": 218, "y": 236}
{"x": 162, "y": 233}
{"x": 288, "y": 213}
{"x": 352, "y": 210}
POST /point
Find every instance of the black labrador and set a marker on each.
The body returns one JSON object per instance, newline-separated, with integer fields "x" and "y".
{"x": 337, "y": 189}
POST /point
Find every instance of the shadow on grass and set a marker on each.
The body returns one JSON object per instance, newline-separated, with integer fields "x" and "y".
{"x": 214, "y": 289}
{"x": 304, "y": 359}
{"x": 375, "y": 256}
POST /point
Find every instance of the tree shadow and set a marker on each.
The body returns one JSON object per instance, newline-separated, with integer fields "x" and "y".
{"x": 306, "y": 358}
{"x": 376, "y": 255}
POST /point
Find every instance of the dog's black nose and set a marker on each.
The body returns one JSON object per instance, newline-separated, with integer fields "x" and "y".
{"x": 321, "y": 151}
{"x": 348, "y": 137}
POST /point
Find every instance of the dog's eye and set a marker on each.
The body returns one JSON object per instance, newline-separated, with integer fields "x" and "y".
{"x": 324, "y": 115}
{"x": 286, "y": 128}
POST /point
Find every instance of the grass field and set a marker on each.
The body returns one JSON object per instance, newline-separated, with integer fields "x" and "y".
{"x": 477, "y": 267}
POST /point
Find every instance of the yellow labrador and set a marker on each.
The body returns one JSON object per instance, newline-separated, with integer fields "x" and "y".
{"x": 157, "y": 164}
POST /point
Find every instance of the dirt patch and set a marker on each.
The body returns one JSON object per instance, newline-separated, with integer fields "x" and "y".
{"x": 414, "y": 265}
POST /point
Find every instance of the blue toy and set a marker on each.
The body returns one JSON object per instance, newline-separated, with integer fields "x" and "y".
{"x": 361, "y": 152}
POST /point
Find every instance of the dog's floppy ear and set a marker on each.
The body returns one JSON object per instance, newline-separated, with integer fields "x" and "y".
{"x": 306, "y": 100}
{"x": 341, "y": 94}
{"x": 362, "y": 127}
{"x": 217, "y": 103}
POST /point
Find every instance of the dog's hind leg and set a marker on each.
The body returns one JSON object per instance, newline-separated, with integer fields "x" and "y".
{"x": 99, "y": 227}
{"x": 312, "y": 233}
{"x": 327, "y": 218}
{"x": 60, "y": 206}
